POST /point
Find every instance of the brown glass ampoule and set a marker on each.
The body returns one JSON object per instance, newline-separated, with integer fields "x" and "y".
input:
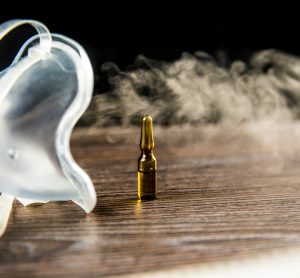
{"x": 147, "y": 166}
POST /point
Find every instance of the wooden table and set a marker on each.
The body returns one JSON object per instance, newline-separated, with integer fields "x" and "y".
{"x": 223, "y": 194}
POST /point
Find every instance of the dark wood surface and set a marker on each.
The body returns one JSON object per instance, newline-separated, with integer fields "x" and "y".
{"x": 222, "y": 194}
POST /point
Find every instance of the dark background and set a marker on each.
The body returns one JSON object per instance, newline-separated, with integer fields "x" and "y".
{"x": 119, "y": 34}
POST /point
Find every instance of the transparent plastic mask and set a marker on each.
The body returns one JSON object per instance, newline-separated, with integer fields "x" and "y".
{"x": 42, "y": 96}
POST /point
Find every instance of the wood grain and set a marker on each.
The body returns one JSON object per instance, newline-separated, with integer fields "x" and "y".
{"x": 221, "y": 195}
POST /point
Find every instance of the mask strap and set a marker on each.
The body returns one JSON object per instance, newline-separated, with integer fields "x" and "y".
{"x": 43, "y": 34}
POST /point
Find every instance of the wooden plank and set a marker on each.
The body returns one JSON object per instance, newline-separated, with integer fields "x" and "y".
{"x": 221, "y": 195}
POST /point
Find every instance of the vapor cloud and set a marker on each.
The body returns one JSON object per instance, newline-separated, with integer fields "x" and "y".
{"x": 196, "y": 89}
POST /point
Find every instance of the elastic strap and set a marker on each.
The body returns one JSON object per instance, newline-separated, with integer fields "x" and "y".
{"x": 43, "y": 32}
